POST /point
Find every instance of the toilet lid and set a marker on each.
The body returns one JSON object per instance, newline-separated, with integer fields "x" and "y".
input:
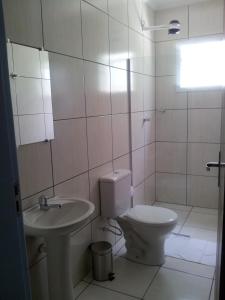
{"x": 152, "y": 215}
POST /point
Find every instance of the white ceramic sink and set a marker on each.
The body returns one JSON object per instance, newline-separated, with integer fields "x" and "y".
{"x": 57, "y": 221}
{"x": 55, "y": 225}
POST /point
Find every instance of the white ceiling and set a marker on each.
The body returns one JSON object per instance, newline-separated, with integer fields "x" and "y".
{"x": 163, "y": 4}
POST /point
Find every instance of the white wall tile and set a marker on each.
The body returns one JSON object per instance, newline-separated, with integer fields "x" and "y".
{"x": 49, "y": 127}
{"x": 150, "y": 158}
{"x": 32, "y": 128}
{"x": 168, "y": 96}
{"x": 206, "y": 18}
{"x": 95, "y": 34}
{"x": 149, "y": 127}
{"x": 122, "y": 162}
{"x": 204, "y": 125}
{"x": 119, "y": 93}
{"x": 97, "y": 89}
{"x": 38, "y": 177}
{"x": 47, "y": 95}
{"x": 80, "y": 255}
{"x": 26, "y": 61}
{"x": 136, "y": 51}
{"x": 98, "y": 234}
{"x": 137, "y": 130}
{"x": 139, "y": 195}
{"x": 148, "y": 16}
{"x": 167, "y": 128}
{"x": 67, "y": 81}
{"x": 202, "y": 191}
{"x": 205, "y": 99}
{"x": 149, "y": 57}
{"x": 149, "y": 92}
{"x": 94, "y": 176}
{"x": 76, "y": 187}
{"x": 16, "y": 130}
{"x": 69, "y": 149}
{"x": 138, "y": 166}
{"x": 163, "y": 17}
{"x": 171, "y": 157}
{"x": 137, "y": 92}
{"x": 102, "y": 4}
{"x": 120, "y": 128}
{"x": 166, "y": 56}
{"x": 198, "y": 155}
{"x": 99, "y": 131}
{"x": 118, "y": 9}
{"x": 62, "y": 27}
{"x": 12, "y": 84}
{"x": 171, "y": 188}
{"x": 45, "y": 68}
{"x": 150, "y": 190}
{"x": 118, "y": 40}
{"x": 134, "y": 14}
{"x": 39, "y": 280}
{"x": 29, "y": 96}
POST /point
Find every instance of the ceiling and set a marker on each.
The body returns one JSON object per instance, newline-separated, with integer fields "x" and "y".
{"x": 163, "y": 4}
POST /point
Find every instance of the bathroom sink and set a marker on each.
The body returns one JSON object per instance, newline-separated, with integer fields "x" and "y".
{"x": 57, "y": 221}
{"x": 58, "y": 217}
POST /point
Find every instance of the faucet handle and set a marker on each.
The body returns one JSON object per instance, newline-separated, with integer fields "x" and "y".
{"x": 43, "y": 200}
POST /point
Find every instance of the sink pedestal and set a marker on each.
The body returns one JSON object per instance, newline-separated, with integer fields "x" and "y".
{"x": 59, "y": 268}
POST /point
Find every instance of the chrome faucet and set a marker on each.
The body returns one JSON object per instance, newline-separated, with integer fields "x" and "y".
{"x": 43, "y": 203}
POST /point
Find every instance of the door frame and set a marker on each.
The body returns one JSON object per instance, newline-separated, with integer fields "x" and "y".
{"x": 14, "y": 276}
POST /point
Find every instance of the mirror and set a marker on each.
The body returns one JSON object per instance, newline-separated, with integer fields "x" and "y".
{"x": 30, "y": 86}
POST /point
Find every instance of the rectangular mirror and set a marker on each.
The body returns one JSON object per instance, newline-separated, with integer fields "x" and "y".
{"x": 30, "y": 86}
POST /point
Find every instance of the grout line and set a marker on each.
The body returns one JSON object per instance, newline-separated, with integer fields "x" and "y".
{"x": 180, "y": 271}
{"x": 151, "y": 282}
{"x": 88, "y": 284}
{"x": 95, "y": 283}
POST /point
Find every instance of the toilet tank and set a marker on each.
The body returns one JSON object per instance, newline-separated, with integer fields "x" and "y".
{"x": 115, "y": 190}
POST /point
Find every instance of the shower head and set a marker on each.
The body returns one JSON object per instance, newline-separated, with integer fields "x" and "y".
{"x": 173, "y": 27}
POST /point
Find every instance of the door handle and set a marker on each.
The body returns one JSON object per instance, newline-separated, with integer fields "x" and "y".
{"x": 218, "y": 164}
{"x": 214, "y": 164}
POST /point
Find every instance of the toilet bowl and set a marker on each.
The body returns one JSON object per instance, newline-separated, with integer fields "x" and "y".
{"x": 145, "y": 229}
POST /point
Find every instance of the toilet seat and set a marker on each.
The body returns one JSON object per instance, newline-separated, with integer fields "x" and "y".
{"x": 152, "y": 215}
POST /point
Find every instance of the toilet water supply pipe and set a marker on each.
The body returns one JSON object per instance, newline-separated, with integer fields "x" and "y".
{"x": 108, "y": 228}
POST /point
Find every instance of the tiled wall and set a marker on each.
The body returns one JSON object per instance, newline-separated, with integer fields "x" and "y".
{"x": 187, "y": 122}
{"x": 88, "y": 43}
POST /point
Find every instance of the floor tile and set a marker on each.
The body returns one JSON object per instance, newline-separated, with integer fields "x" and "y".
{"x": 173, "y": 206}
{"x": 185, "y": 248}
{"x": 130, "y": 278}
{"x": 96, "y": 293}
{"x": 122, "y": 251}
{"x": 79, "y": 288}
{"x": 189, "y": 267}
{"x": 202, "y": 221}
{"x": 173, "y": 285}
{"x": 212, "y": 297}
{"x": 198, "y": 233}
{"x": 208, "y": 211}
{"x": 209, "y": 255}
{"x": 177, "y": 229}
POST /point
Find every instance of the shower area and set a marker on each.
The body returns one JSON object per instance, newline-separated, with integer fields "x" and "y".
{"x": 123, "y": 98}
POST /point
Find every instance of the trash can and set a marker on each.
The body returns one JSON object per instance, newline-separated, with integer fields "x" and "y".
{"x": 102, "y": 261}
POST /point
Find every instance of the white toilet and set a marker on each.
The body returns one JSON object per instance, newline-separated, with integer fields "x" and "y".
{"x": 145, "y": 227}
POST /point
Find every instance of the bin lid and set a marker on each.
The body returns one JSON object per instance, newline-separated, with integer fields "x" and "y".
{"x": 101, "y": 248}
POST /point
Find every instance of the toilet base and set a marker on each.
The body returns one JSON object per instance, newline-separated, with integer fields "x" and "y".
{"x": 152, "y": 255}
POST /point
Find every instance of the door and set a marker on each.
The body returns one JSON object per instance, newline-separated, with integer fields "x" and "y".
{"x": 220, "y": 264}
{"x": 220, "y": 268}
{"x": 14, "y": 283}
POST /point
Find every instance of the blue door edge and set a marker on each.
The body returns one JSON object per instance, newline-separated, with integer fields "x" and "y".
{"x": 14, "y": 274}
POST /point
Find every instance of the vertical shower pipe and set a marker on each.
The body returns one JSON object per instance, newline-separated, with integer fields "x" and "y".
{"x": 130, "y": 126}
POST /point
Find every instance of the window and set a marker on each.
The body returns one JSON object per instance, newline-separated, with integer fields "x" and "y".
{"x": 202, "y": 65}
